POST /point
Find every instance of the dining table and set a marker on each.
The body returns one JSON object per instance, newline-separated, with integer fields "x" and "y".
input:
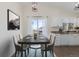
{"x": 40, "y": 40}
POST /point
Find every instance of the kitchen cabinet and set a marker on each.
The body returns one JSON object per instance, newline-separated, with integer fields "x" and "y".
{"x": 67, "y": 39}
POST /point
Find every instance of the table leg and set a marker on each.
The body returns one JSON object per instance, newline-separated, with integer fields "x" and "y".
{"x": 21, "y": 50}
{"x": 45, "y": 50}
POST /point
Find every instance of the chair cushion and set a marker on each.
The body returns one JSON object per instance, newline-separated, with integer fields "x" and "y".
{"x": 35, "y": 46}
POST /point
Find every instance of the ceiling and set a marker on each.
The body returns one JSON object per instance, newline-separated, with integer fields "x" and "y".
{"x": 69, "y": 6}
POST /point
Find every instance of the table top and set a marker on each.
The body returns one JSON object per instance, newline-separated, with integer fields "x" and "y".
{"x": 34, "y": 41}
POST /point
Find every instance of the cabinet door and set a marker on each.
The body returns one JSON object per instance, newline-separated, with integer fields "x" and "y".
{"x": 67, "y": 39}
{"x": 62, "y": 40}
{"x": 74, "y": 39}
{"x": 57, "y": 40}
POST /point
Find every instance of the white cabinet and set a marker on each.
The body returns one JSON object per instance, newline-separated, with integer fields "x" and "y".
{"x": 74, "y": 39}
{"x": 67, "y": 39}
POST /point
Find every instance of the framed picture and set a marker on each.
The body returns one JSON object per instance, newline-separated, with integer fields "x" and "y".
{"x": 13, "y": 20}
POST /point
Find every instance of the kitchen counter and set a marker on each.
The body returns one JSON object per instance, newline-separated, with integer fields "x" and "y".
{"x": 65, "y": 32}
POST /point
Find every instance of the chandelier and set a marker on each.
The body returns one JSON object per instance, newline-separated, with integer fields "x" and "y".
{"x": 34, "y": 6}
{"x": 77, "y": 5}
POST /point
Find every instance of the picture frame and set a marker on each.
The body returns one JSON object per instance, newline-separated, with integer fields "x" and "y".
{"x": 13, "y": 20}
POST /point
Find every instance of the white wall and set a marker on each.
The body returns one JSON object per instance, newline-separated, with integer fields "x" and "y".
{"x": 6, "y": 43}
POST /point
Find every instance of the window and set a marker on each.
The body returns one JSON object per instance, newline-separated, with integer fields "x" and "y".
{"x": 39, "y": 25}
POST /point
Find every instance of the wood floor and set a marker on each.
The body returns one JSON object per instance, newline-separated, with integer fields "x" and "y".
{"x": 66, "y": 51}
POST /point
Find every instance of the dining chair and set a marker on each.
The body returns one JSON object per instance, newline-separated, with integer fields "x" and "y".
{"x": 18, "y": 48}
{"x": 35, "y": 46}
{"x": 28, "y": 46}
{"x": 50, "y": 46}
{"x": 17, "y": 37}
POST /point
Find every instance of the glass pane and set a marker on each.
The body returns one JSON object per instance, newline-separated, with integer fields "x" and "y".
{"x": 40, "y": 23}
{"x": 34, "y": 24}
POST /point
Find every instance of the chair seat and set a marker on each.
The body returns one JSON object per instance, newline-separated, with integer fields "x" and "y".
{"x": 19, "y": 48}
{"x": 35, "y": 46}
{"x": 38, "y": 46}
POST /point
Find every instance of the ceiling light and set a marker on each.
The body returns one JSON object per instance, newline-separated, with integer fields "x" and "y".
{"x": 34, "y": 6}
{"x": 77, "y": 5}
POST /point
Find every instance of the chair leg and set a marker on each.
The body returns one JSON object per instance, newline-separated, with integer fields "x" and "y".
{"x": 42, "y": 52}
{"x": 15, "y": 53}
{"x": 35, "y": 52}
{"x": 18, "y": 53}
{"x": 52, "y": 52}
{"x": 25, "y": 53}
{"x": 28, "y": 50}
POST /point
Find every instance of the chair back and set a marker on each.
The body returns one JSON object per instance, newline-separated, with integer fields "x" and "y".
{"x": 14, "y": 42}
{"x": 17, "y": 47}
{"x": 52, "y": 39}
{"x": 28, "y": 36}
{"x": 16, "y": 37}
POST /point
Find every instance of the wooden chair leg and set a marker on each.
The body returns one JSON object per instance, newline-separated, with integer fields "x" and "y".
{"x": 15, "y": 53}
{"x": 42, "y": 52}
{"x": 52, "y": 52}
{"x": 35, "y": 52}
{"x": 18, "y": 53}
{"x": 28, "y": 51}
{"x": 24, "y": 53}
